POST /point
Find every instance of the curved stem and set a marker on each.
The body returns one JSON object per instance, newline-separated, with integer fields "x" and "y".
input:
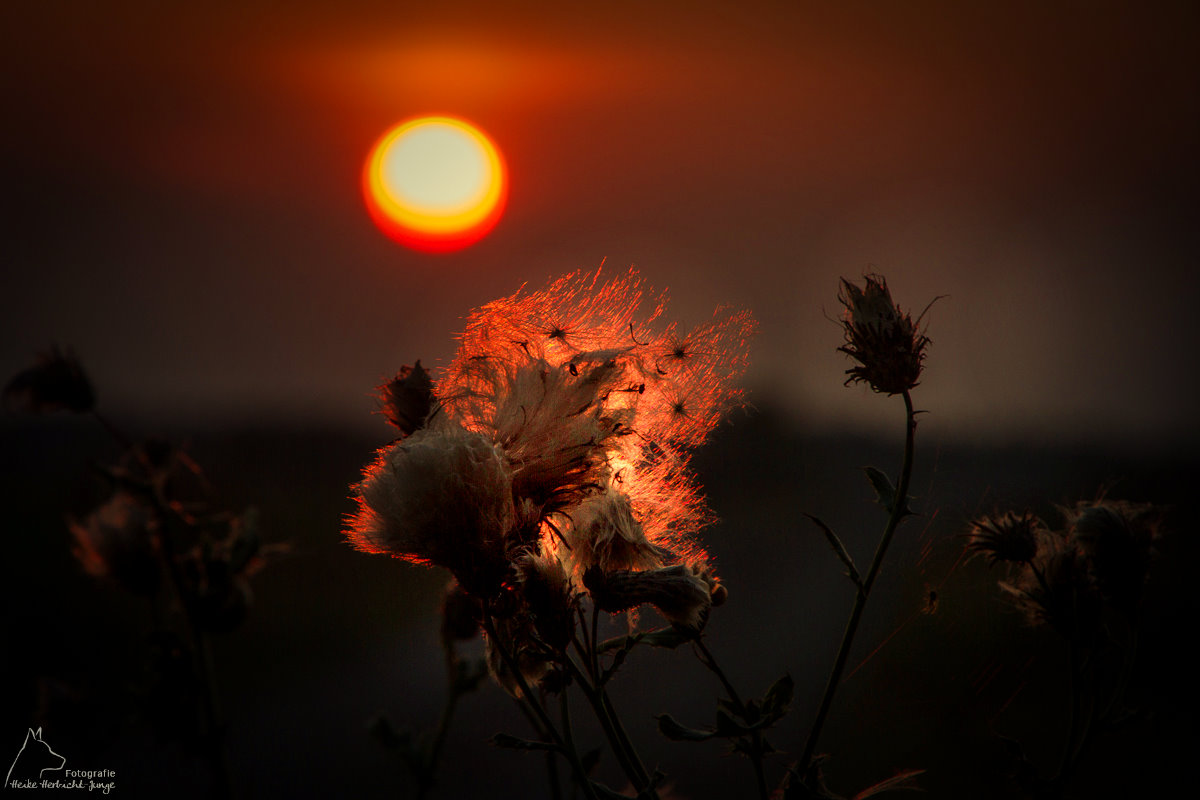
{"x": 898, "y": 511}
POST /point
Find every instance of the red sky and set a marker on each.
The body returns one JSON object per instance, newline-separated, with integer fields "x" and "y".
{"x": 184, "y": 204}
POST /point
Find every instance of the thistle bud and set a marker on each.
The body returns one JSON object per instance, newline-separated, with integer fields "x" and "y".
{"x": 883, "y": 339}
{"x": 407, "y": 398}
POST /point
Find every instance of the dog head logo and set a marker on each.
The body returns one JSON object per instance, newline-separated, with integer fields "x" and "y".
{"x": 34, "y": 758}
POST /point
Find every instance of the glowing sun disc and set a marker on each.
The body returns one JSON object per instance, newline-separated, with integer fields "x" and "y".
{"x": 435, "y": 183}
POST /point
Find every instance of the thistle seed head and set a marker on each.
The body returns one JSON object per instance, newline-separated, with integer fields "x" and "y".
{"x": 883, "y": 339}
{"x": 442, "y": 496}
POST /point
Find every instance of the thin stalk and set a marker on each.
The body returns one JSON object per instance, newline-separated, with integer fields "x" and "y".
{"x": 1075, "y": 738}
{"x": 425, "y": 784}
{"x": 756, "y": 754}
{"x": 617, "y": 737}
{"x": 533, "y": 703}
{"x": 899, "y": 506}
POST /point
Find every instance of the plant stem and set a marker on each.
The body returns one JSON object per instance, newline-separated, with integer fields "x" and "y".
{"x": 756, "y": 752}
{"x": 527, "y": 695}
{"x": 611, "y": 723}
{"x": 898, "y": 511}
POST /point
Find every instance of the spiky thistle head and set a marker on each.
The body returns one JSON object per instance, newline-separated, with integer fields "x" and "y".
{"x": 1118, "y": 539}
{"x": 1008, "y": 537}
{"x": 884, "y": 340}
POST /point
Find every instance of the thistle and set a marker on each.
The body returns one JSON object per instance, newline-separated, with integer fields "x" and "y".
{"x": 883, "y": 339}
{"x": 547, "y": 468}
{"x": 1009, "y": 537}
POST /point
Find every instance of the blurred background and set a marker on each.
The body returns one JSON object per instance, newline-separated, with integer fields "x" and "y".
{"x": 185, "y": 213}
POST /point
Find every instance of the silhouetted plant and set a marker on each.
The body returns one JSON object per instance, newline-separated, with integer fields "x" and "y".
{"x": 890, "y": 350}
{"x": 546, "y": 469}
{"x": 158, "y": 536}
{"x": 1084, "y": 581}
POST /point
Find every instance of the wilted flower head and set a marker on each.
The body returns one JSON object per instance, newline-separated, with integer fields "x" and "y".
{"x": 556, "y": 447}
{"x": 1009, "y": 537}
{"x": 1118, "y": 541}
{"x": 1099, "y": 560}
{"x": 56, "y": 382}
{"x": 883, "y": 339}
{"x": 119, "y": 540}
{"x": 441, "y": 496}
{"x": 682, "y": 593}
{"x": 579, "y": 414}
{"x": 1055, "y": 589}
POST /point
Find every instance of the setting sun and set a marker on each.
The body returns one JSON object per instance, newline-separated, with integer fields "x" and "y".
{"x": 435, "y": 183}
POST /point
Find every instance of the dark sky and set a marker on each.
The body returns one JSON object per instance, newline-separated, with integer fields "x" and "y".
{"x": 183, "y": 202}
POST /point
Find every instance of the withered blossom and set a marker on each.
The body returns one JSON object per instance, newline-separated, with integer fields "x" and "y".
{"x": 119, "y": 540}
{"x": 56, "y": 382}
{"x": 682, "y": 593}
{"x": 442, "y": 496}
{"x": 1009, "y": 537}
{"x": 1055, "y": 589}
{"x": 557, "y": 442}
{"x": 1118, "y": 540}
{"x": 407, "y": 399}
{"x": 884, "y": 340}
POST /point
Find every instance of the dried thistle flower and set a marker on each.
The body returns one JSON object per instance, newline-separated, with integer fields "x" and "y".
{"x": 883, "y": 339}
{"x": 517, "y": 635}
{"x": 682, "y": 593}
{"x": 441, "y": 496}
{"x": 407, "y": 399}
{"x": 1009, "y": 537}
{"x": 120, "y": 540}
{"x": 561, "y": 429}
{"x": 1055, "y": 589}
{"x": 56, "y": 382}
{"x": 1117, "y": 539}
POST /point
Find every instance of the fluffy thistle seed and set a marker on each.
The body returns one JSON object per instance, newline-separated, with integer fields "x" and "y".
{"x": 442, "y": 496}
{"x": 883, "y": 339}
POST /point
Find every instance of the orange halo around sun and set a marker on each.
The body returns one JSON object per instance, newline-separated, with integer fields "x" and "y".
{"x": 435, "y": 183}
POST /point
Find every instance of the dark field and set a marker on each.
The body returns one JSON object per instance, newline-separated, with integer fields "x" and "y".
{"x": 336, "y": 637}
